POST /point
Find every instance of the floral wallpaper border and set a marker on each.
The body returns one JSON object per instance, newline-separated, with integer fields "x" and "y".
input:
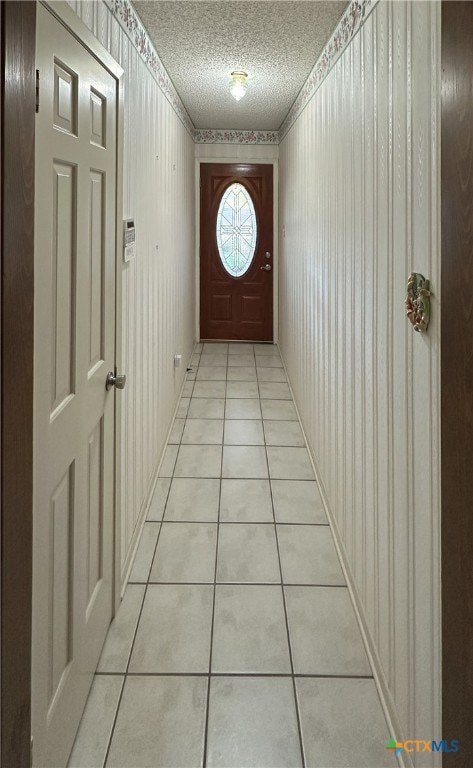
{"x": 351, "y": 21}
{"x": 211, "y": 136}
{"x": 129, "y": 20}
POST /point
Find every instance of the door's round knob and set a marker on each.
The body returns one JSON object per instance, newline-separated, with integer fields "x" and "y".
{"x": 117, "y": 380}
{"x": 120, "y": 381}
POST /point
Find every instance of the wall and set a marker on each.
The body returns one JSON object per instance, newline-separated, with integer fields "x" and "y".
{"x": 359, "y": 196}
{"x": 158, "y": 285}
{"x": 250, "y": 153}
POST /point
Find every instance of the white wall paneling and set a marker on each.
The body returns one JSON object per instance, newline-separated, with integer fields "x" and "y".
{"x": 158, "y": 285}
{"x": 359, "y": 193}
{"x": 233, "y": 153}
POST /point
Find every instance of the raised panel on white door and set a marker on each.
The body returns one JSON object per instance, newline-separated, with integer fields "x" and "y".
{"x": 65, "y": 98}
{"x": 61, "y": 563}
{"x": 96, "y": 264}
{"x": 64, "y": 285}
{"x": 98, "y": 114}
{"x": 95, "y": 512}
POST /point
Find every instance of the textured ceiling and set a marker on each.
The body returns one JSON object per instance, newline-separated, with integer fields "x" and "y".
{"x": 201, "y": 42}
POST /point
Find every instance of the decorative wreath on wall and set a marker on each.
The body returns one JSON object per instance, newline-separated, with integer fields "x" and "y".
{"x": 418, "y": 301}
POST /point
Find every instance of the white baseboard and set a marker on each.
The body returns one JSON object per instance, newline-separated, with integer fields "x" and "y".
{"x": 130, "y": 558}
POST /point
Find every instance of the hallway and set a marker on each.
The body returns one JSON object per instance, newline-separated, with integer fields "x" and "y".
{"x": 236, "y": 600}
{"x": 241, "y": 562}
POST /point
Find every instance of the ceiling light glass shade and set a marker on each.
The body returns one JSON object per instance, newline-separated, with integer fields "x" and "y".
{"x": 238, "y": 85}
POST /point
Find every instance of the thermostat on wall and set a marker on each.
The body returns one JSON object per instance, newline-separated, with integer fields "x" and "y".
{"x": 128, "y": 239}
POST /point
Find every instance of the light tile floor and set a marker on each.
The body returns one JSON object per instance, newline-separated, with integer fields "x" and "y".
{"x": 236, "y": 642}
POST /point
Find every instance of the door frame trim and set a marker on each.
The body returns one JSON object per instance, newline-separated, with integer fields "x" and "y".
{"x": 18, "y": 49}
{"x": 228, "y": 161}
{"x": 64, "y": 13}
{"x": 456, "y": 378}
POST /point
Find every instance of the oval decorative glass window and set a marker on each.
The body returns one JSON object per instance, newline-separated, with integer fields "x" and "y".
{"x": 236, "y": 230}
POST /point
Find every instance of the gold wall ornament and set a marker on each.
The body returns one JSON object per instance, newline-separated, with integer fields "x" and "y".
{"x": 418, "y": 301}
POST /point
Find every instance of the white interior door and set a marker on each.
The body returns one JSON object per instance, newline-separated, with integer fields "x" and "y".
{"x": 73, "y": 412}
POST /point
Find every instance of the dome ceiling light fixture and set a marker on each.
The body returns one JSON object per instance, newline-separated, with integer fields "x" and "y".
{"x": 238, "y": 84}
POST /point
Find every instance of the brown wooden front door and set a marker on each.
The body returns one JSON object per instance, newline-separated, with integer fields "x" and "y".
{"x": 236, "y": 252}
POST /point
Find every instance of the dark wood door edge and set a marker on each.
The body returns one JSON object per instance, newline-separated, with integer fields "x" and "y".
{"x": 18, "y": 22}
{"x": 457, "y": 379}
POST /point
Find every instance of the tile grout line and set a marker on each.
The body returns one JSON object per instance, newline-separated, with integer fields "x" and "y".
{"x": 244, "y": 445}
{"x": 112, "y": 731}
{"x": 212, "y": 624}
{"x": 216, "y": 477}
{"x": 292, "y": 675}
{"x": 233, "y": 418}
{"x": 288, "y": 675}
{"x": 238, "y": 583}
{"x": 228, "y": 522}
{"x": 296, "y": 703}
{"x": 126, "y": 674}
{"x": 282, "y": 588}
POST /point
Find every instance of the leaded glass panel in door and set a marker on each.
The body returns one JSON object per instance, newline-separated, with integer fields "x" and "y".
{"x": 236, "y": 230}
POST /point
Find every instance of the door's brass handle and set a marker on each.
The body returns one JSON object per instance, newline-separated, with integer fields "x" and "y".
{"x": 266, "y": 267}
